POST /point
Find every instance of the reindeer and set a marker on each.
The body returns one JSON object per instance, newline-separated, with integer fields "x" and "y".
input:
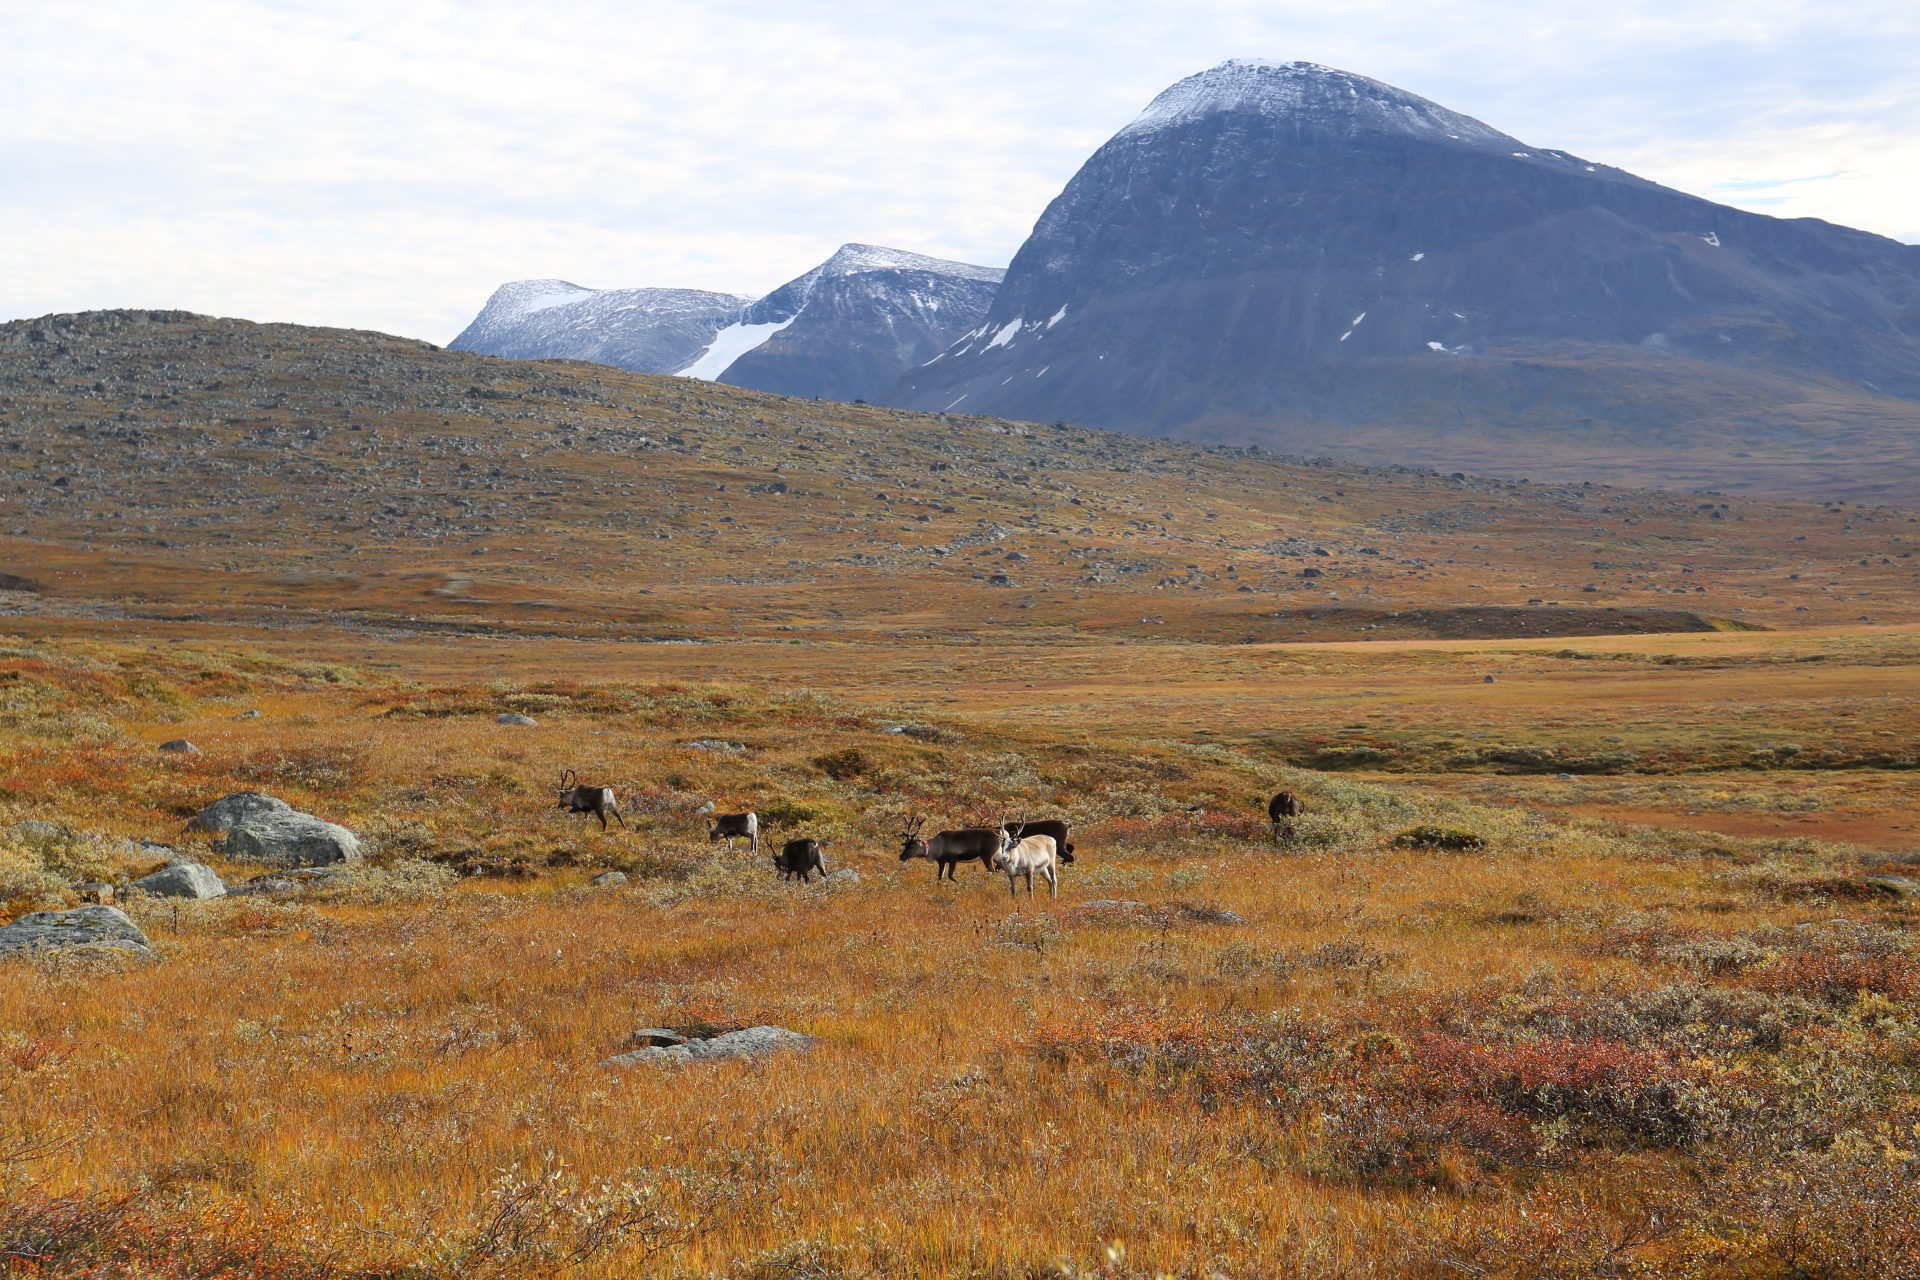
{"x": 597, "y": 801}
{"x": 950, "y": 848}
{"x": 1282, "y": 810}
{"x": 1054, "y": 827}
{"x": 729, "y": 826}
{"x": 1023, "y": 857}
{"x": 800, "y": 858}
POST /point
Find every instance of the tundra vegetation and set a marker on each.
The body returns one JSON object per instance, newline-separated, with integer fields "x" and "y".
{"x": 1428, "y": 1036}
{"x": 1589, "y": 954}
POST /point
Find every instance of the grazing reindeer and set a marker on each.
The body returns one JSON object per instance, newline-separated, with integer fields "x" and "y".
{"x": 1054, "y": 827}
{"x": 729, "y": 826}
{"x": 1023, "y": 857}
{"x": 1282, "y": 810}
{"x": 950, "y": 848}
{"x": 800, "y": 858}
{"x": 597, "y": 801}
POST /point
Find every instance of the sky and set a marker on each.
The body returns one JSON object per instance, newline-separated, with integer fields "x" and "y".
{"x": 386, "y": 166}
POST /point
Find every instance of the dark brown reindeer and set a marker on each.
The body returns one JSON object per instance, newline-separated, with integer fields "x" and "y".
{"x": 732, "y": 826}
{"x": 801, "y": 858}
{"x": 597, "y": 801}
{"x": 1282, "y": 810}
{"x": 951, "y": 848}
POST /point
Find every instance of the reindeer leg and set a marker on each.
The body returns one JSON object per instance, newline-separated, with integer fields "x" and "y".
{"x": 623, "y": 821}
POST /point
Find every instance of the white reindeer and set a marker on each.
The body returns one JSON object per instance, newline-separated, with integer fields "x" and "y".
{"x": 1024, "y": 857}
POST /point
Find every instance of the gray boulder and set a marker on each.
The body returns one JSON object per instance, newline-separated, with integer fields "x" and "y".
{"x": 290, "y": 839}
{"x": 223, "y": 814}
{"x": 182, "y": 879}
{"x": 609, "y": 880}
{"x": 513, "y": 717}
{"x": 180, "y": 745}
{"x": 97, "y": 928}
{"x": 754, "y": 1042}
{"x": 846, "y": 877}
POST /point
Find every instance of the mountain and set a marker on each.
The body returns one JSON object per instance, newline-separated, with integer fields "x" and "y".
{"x": 1290, "y": 255}
{"x": 645, "y": 330}
{"x": 852, "y": 326}
{"x": 846, "y": 330}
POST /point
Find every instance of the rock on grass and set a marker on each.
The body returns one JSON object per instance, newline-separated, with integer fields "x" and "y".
{"x": 96, "y": 928}
{"x": 754, "y": 1042}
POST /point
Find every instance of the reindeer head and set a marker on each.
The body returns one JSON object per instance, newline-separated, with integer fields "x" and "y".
{"x": 911, "y": 845}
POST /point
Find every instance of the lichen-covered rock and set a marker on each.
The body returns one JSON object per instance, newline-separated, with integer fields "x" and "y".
{"x": 754, "y": 1042}
{"x": 609, "y": 880}
{"x": 514, "y": 717}
{"x": 97, "y": 928}
{"x": 290, "y": 839}
{"x": 182, "y": 879}
{"x": 181, "y": 745}
{"x": 223, "y": 814}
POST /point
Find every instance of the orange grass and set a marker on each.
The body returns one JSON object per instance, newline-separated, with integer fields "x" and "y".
{"x": 1400, "y": 1063}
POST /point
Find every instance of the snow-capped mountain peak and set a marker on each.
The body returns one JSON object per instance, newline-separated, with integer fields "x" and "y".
{"x": 1313, "y": 94}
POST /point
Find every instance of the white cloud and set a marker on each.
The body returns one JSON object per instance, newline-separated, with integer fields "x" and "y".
{"x": 385, "y": 166}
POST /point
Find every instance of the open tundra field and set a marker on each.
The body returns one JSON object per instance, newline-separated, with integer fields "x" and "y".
{"x": 1591, "y": 956}
{"x": 1466, "y": 1019}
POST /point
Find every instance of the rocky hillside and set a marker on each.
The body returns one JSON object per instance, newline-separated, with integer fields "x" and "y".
{"x": 160, "y": 464}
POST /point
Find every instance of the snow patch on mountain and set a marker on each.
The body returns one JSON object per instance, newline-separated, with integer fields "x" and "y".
{"x": 729, "y": 345}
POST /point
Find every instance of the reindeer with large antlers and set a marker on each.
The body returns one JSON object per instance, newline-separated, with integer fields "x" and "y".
{"x": 597, "y": 801}
{"x": 951, "y": 848}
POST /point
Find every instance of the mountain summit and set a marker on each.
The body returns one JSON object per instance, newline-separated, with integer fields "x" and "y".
{"x": 848, "y": 329}
{"x": 1294, "y": 255}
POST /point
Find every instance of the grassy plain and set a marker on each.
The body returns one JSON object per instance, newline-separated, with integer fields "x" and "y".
{"x": 1576, "y": 966}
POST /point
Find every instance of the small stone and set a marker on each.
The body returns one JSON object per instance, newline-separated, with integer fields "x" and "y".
{"x": 705, "y": 808}
{"x": 181, "y": 745}
{"x": 97, "y": 928}
{"x": 94, "y": 891}
{"x": 754, "y": 1042}
{"x": 1493, "y": 679}
{"x": 513, "y": 717}
{"x": 1113, "y": 904}
{"x": 609, "y": 880}
{"x": 845, "y": 876}
{"x": 248, "y": 715}
{"x": 1565, "y": 777}
{"x": 181, "y": 880}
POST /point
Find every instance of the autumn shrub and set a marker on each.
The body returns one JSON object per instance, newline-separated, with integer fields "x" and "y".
{"x": 1838, "y": 978}
{"x": 1627, "y": 1090}
{"x": 1432, "y": 836}
{"x": 321, "y": 768}
{"x": 846, "y": 763}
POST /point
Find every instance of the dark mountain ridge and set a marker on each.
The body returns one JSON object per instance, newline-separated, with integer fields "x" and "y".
{"x": 1288, "y": 254}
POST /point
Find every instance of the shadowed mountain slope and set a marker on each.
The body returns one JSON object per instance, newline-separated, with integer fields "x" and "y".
{"x": 1294, "y": 255}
